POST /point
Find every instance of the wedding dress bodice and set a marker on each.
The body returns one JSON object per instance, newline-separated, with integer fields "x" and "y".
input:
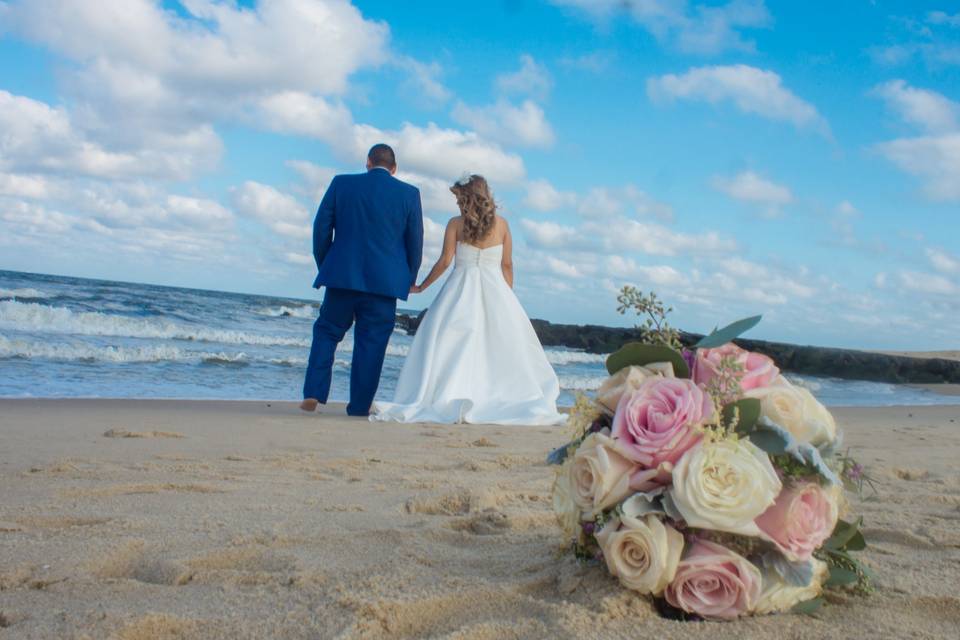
{"x": 471, "y": 256}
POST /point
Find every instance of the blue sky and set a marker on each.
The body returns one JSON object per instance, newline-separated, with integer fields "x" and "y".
{"x": 800, "y": 160}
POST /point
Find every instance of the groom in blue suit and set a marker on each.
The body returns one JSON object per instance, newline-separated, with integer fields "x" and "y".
{"x": 368, "y": 244}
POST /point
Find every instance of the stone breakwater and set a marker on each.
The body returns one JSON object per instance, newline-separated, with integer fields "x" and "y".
{"x": 848, "y": 364}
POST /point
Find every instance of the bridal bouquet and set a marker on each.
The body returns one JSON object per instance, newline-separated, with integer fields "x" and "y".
{"x": 708, "y": 481}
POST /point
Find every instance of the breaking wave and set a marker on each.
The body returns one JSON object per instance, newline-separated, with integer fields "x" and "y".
{"x": 284, "y": 311}
{"x": 31, "y": 316}
{"x": 33, "y": 294}
{"x": 87, "y": 353}
{"x": 564, "y": 356}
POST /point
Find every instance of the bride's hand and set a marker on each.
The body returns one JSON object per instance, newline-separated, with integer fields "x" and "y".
{"x": 415, "y": 288}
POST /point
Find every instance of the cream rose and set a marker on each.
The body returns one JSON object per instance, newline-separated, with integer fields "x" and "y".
{"x": 724, "y": 485}
{"x": 630, "y": 379}
{"x": 778, "y": 596}
{"x": 599, "y": 474}
{"x": 642, "y": 552}
{"x": 564, "y": 507}
{"x": 796, "y": 410}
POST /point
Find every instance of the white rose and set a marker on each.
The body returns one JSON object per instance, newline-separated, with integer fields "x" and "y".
{"x": 724, "y": 485}
{"x": 796, "y": 410}
{"x": 778, "y": 596}
{"x": 629, "y": 379}
{"x": 566, "y": 510}
{"x": 599, "y": 475}
{"x": 642, "y": 552}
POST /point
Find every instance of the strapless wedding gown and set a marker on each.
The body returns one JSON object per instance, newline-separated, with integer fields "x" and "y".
{"x": 475, "y": 357}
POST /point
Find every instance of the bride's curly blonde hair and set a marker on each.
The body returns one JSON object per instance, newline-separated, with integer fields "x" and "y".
{"x": 476, "y": 206}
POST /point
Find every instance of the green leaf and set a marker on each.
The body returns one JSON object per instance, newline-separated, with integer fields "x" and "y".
{"x": 639, "y": 354}
{"x": 843, "y": 534}
{"x": 720, "y": 337}
{"x": 857, "y": 542}
{"x": 840, "y": 576}
{"x": 749, "y": 410}
{"x": 808, "y": 607}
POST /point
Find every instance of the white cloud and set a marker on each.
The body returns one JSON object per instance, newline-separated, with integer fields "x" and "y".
{"x": 24, "y": 186}
{"x": 594, "y": 62}
{"x": 39, "y": 138}
{"x": 941, "y": 17}
{"x": 747, "y": 186}
{"x": 543, "y": 196}
{"x": 656, "y": 240}
{"x": 314, "y": 45}
{"x": 446, "y": 153}
{"x": 424, "y": 80}
{"x": 524, "y": 125}
{"x": 750, "y": 89}
{"x": 931, "y": 40}
{"x": 943, "y": 261}
{"x": 550, "y": 235}
{"x": 315, "y": 179}
{"x": 431, "y": 151}
{"x": 660, "y": 275}
{"x": 622, "y": 234}
{"x": 306, "y": 114}
{"x": 927, "y": 109}
{"x": 936, "y": 159}
{"x": 283, "y": 213}
{"x": 531, "y": 79}
{"x": 300, "y": 259}
{"x": 699, "y": 28}
{"x": 562, "y": 268}
{"x": 846, "y": 209}
{"x": 927, "y": 283}
{"x": 602, "y": 202}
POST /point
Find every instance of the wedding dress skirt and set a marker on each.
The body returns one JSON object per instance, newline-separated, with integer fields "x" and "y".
{"x": 475, "y": 357}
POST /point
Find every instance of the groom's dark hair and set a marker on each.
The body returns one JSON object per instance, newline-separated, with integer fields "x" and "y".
{"x": 381, "y": 155}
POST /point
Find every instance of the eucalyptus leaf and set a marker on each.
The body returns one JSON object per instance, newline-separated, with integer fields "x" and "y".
{"x": 776, "y": 440}
{"x": 840, "y": 576}
{"x": 797, "y": 574}
{"x": 558, "y": 455}
{"x": 639, "y": 354}
{"x": 748, "y": 410}
{"x": 808, "y": 607}
{"x": 720, "y": 337}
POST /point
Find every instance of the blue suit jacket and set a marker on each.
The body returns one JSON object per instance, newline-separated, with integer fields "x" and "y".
{"x": 368, "y": 234}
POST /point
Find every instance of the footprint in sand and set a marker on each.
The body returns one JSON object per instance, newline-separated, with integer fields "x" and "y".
{"x": 454, "y": 503}
{"x": 135, "y": 561}
{"x": 123, "y": 433}
{"x": 911, "y": 474}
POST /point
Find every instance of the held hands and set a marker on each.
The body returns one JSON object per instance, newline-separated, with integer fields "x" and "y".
{"x": 415, "y": 288}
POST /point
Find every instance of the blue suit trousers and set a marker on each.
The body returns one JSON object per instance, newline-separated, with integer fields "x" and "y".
{"x": 375, "y": 316}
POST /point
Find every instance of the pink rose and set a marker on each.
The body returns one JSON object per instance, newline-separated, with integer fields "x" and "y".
{"x": 758, "y": 369}
{"x": 714, "y": 583}
{"x": 654, "y": 425}
{"x": 801, "y": 519}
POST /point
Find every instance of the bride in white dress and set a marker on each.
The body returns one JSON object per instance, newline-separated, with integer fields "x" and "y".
{"x": 475, "y": 357}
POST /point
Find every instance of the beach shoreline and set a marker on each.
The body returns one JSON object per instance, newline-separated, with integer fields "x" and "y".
{"x": 214, "y": 519}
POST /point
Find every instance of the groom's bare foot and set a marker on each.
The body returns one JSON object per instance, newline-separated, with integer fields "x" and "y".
{"x": 309, "y": 404}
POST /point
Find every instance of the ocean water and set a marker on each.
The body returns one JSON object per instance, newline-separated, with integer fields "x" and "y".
{"x": 73, "y": 337}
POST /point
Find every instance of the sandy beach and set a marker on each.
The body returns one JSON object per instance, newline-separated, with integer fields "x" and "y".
{"x": 174, "y": 519}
